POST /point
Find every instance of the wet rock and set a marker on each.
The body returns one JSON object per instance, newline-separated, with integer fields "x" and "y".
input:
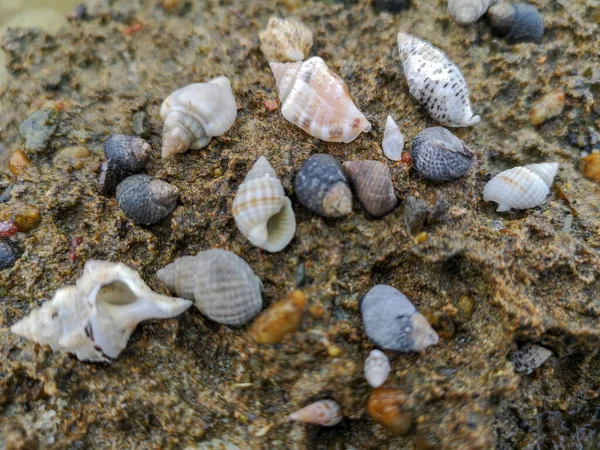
{"x": 139, "y": 124}
{"x": 6, "y": 195}
{"x": 37, "y": 129}
{"x": 9, "y": 253}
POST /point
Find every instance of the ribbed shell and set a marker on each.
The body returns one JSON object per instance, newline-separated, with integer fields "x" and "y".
{"x": 377, "y": 368}
{"x": 221, "y": 283}
{"x": 285, "y": 40}
{"x": 322, "y": 187}
{"x": 517, "y": 22}
{"x": 196, "y": 113}
{"x": 262, "y": 212}
{"x": 393, "y": 140}
{"x": 521, "y": 187}
{"x": 372, "y": 181}
{"x": 468, "y": 11}
{"x": 392, "y": 322}
{"x": 324, "y": 412}
{"x": 436, "y": 82}
{"x": 316, "y": 100}
{"x": 130, "y": 153}
{"x": 530, "y": 357}
{"x": 439, "y": 155}
{"x": 146, "y": 200}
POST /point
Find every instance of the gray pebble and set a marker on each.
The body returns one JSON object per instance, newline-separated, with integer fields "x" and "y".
{"x": 37, "y": 130}
{"x": 9, "y": 253}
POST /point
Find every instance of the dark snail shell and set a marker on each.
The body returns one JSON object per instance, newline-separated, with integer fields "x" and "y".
{"x": 126, "y": 155}
{"x": 372, "y": 181}
{"x": 146, "y": 200}
{"x": 9, "y": 253}
{"x": 439, "y": 155}
{"x": 322, "y": 187}
{"x": 517, "y": 22}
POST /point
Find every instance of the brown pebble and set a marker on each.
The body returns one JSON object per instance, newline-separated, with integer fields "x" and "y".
{"x": 271, "y": 105}
{"x": 279, "y": 319}
{"x": 25, "y": 217}
{"x": 590, "y": 167}
{"x": 334, "y": 351}
{"x": 316, "y": 311}
{"x": 547, "y": 107}
{"x": 385, "y": 408}
{"x": 18, "y": 162}
{"x": 443, "y": 324}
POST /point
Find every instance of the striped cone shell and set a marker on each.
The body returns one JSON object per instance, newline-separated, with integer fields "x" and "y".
{"x": 221, "y": 283}
{"x": 372, "y": 181}
{"x": 316, "y": 100}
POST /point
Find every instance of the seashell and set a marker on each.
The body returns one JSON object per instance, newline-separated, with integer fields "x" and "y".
{"x": 324, "y": 412}
{"x": 131, "y": 153}
{"x": 436, "y": 82}
{"x": 7, "y": 229}
{"x": 385, "y": 407}
{"x": 262, "y": 212}
{"x": 95, "y": 318}
{"x": 195, "y": 114}
{"x": 468, "y": 11}
{"x": 377, "y": 368}
{"x": 316, "y": 100}
{"x": 520, "y": 187}
{"x": 322, "y": 187}
{"x": 18, "y": 163}
{"x": 279, "y": 319}
{"x": 590, "y": 167}
{"x": 9, "y": 253}
{"x": 146, "y": 200}
{"x": 392, "y": 322}
{"x": 393, "y": 140}
{"x": 221, "y": 283}
{"x": 439, "y": 155}
{"x": 547, "y": 107}
{"x": 285, "y": 40}
{"x": 516, "y": 22}
{"x": 530, "y": 357}
{"x": 372, "y": 181}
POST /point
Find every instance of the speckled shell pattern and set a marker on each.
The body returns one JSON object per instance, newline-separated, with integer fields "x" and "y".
{"x": 377, "y": 368}
{"x": 322, "y": 187}
{"x": 392, "y": 322}
{"x": 316, "y": 100}
{"x": 530, "y": 357}
{"x": 372, "y": 181}
{"x": 146, "y": 200}
{"x": 466, "y": 12}
{"x": 222, "y": 285}
{"x": 436, "y": 82}
{"x": 285, "y": 40}
{"x": 521, "y": 187}
{"x": 324, "y": 412}
{"x": 439, "y": 155}
{"x": 393, "y": 140}
{"x": 517, "y": 22}
{"x": 262, "y": 212}
{"x": 196, "y": 113}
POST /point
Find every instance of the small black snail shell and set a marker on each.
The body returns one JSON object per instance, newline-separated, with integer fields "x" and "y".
{"x": 146, "y": 200}
{"x": 322, "y": 187}
{"x": 9, "y": 253}
{"x": 439, "y": 155}
{"x": 517, "y": 22}
{"x": 126, "y": 155}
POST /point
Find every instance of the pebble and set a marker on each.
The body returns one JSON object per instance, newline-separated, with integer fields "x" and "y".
{"x": 37, "y": 129}
{"x": 385, "y": 407}
{"x": 25, "y": 217}
{"x": 549, "y": 106}
{"x": 9, "y": 253}
{"x": 270, "y": 105}
{"x": 18, "y": 162}
{"x": 7, "y": 229}
{"x": 279, "y": 319}
{"x": 590, "y": 167}
{"x": 139, "y": 124}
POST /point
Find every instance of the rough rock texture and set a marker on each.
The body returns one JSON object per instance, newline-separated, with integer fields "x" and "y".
{"x": 502, "y": 281}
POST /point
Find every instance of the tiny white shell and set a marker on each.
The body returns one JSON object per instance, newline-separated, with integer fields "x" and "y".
{"x": 316, "y": 100}
{"x": 324, "y": 412}
{"x": 468, "y": 11}
{"x": 285, "y": 40}
{"x": 262, "y": 212}
{"x": 195, "y": 114}
{"x": 530, "y": 357}
{"x": 377, "y": 368}
{"x": 393, "y": 140}
{"x": 95, "y": 318}
{"x": 521, "y": 187}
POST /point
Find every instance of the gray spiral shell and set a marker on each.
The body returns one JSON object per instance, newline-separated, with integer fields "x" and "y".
{"x": 322, "y": 187}
{"x": 9, "y": 253}
{"x": 439, "y": 155}
{"x": 146, "y": 200}
{"x": 517, "y": 22}
{"x": 221, "y": 283}
{"x": 372, "y": 181}
{"x": 126, "y": 155}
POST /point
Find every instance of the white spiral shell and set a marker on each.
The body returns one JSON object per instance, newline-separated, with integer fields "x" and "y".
{"x": 324, "y": 412}
{"x": 316, "y": 100}
{"x": 393, "y": 140}
{"x": 436, "y": 82}
{"x": 196, "y": 113}
{"x": 521, "y": 187}
{"x": 377, "y": 368}
{"x": 95, "y": 318}
{"x": 468, "y": 11}
{"x": 262, "y": 212}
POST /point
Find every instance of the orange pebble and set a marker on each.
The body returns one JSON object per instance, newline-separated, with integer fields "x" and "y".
{"x": 590, "y": 167}
{"x": 18, "y": 162}
{"x": 385, "y": 408}
{"x": 279, "y": 319}
{"x": 271, "y": 105}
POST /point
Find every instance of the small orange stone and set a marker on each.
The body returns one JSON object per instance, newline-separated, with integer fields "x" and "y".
{"x": 18, "y": 162}
{"x": 271, "y": 105}
{"x": 133, "y": 29}
{"x": 547, "y": 107}
{"x": 279, "y": 319}
{"x": 590, "y": 167}
{"x": 316, "y": 311}
{"x": 405, "y": 158}
{"x": 385, "y": 408}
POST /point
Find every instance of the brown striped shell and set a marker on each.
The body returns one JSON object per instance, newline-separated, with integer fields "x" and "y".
{"x": 372, "y": 181}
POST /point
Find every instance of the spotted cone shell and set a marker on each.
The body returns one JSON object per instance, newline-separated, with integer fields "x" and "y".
{"x": 436, "y": 82}
{"x": 221, "y": 283}
{"x": 324, "y": 412}
{"x": 521, "y": 187}
{"x": 530, "y": 357}
{"x": 316, "y": 100}
{"x": 262, "y": 212}
{"x": 372, "y": 181}
{"x": 466, "y": 12}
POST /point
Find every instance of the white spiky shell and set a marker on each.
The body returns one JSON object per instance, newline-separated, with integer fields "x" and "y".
{"x": 521, "y": 187}
{"x": 393, "y": 140}
{"x": 285, "y": 40}
{"x": 262, "y": 212}
{"x": 222, "y": 285}
{"x": 436, "y": 82}
{"x": 316, "y": 100}
{"x": 195, "y": 114}
{"x": 324, "y": 412}
{"x": 530, "y": 357}
{"x": 95, "y": 318}
{"x": 468, "y": 11}
{"x": 377, "y": 368}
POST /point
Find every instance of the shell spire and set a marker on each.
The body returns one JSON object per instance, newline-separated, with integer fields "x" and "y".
{"x": 393, "y": 140}
{"x": 468, "y": 11}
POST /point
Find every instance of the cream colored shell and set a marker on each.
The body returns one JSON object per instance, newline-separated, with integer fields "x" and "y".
{"x": 316, "y": 100}
{"x": 95, "y": 318}
{"x": 521, "y": 187}
{"x": 393, "y": 140}
{"x": 324, "y": 412}
{"x": 285, "y": 40}
{"x": 262, "y": 212}
{"x": 377, "y": 368}
{"x": 196, "y": 113}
